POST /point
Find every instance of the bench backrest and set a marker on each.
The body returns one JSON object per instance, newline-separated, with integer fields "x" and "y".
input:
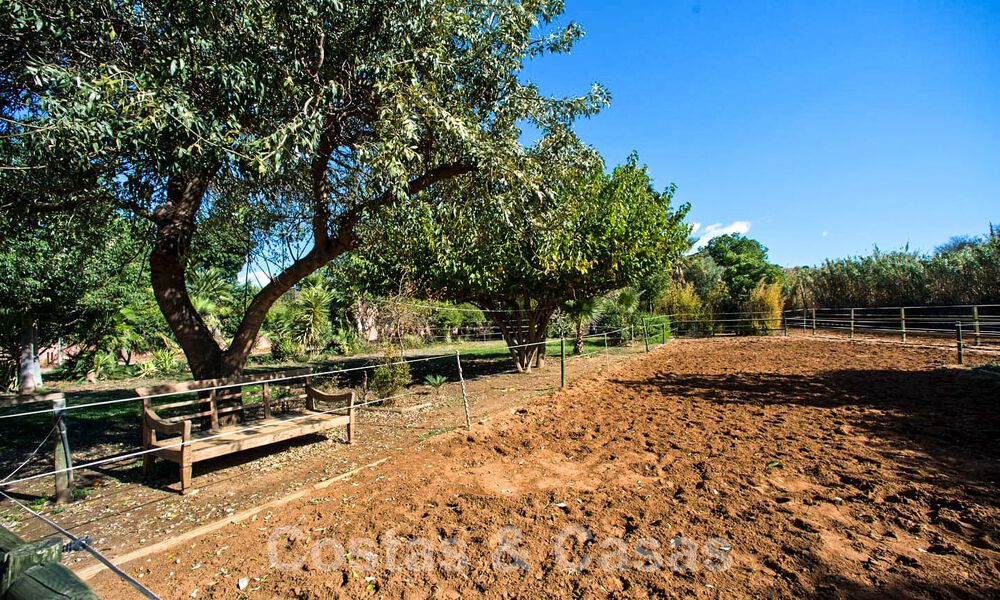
{"x": 207, "y": 405}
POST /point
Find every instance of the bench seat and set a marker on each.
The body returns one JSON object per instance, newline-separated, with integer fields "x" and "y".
{"x": 234, "y": 439}
{"x": 216, "y": 411}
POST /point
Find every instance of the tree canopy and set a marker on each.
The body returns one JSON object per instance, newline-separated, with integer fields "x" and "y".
{"x": 520, "y": 253}
{"x": 284, "y": 121}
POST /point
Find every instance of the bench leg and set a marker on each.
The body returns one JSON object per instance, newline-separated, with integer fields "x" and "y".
{"x": 147, "y": 464}
{"x": 186, "y": 477}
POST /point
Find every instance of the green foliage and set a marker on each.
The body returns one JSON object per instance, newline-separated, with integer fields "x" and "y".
{"x": 164, "y": 363}
{"x": 67, "y": 278}
{"x": 391, "y": 375}
{"x": 256, "y": 128}
{"x": 764, "y": 308}
{"x": 744, "y": 265}
{"x": 968, "y": 273}
{"x": 436, "y": 381}
{"x": 346, "y": 341}
{"x": 526, "y": 251}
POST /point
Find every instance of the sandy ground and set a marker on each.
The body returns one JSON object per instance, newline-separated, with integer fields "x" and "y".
{"x": 724, "y": 468}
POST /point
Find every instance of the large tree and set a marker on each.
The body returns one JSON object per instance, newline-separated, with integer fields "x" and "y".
{"x": 519, "y": 253}
{"x": 288, "y": 119}
{"x": 744, "y": 265}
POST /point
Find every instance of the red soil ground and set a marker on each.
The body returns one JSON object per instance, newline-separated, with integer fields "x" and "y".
{"x": 726, "y": 468}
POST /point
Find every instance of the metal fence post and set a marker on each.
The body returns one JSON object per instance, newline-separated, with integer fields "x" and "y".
{"x": 852, "y": 323}
{"x": 562, "y": 362}
{"x": 902, "y": 322}
{"x": 645, "y": 335}
{"x": 805, "y": 319}
{"x": 465, "y": 395}
{"x": 663, "y": 331}
{"x": 814, "y": 321}
{"x": 961, "y": 349}
{"x": 975, "y": 321}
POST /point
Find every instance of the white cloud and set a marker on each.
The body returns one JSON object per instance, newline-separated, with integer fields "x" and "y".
{"x": 715, "y": 230}
{"x": 825, "y": 233}
{"x": 695, "y": 227}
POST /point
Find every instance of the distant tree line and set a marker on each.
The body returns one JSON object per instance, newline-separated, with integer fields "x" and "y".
{"x": 964, "y": 271}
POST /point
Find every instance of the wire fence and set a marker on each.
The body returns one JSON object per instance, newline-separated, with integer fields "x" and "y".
{"x": 472, "y": 368}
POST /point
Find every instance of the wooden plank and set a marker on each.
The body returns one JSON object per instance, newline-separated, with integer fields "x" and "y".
{"x": 23, "y": 557}
{"x": 203, "y": 384}
{"x": 184, "y": 538}
{"x": 262, "y": 437}
{"x": 246, "y": 440}
{"x": 50, "y": 581}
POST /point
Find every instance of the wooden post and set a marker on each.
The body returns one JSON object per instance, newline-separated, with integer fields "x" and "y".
{"x": 645, "y": 335}
{"x": 465, "y": 395}
{"x": 63, "y": 459}
{"x": 805, "y": 319}
{"x": 784, "y": 324}
{"x": 350, "y": 420}
{"x": 975, "y": 322}
{"x": 852, "y": 323}
{"x": 814, "y": 321}
{"x": 902, "y": 323}
{"x": 663, "y": 332}
{"x": 265, "y": 393}
{"x": 562, "y": 362}
{"x": 961, "y": 349}
{"x": 607, "y": 355}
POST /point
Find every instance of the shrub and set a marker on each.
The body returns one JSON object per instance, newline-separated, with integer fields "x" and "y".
{"x": 103, "y": 364}
{"x": 392, "y": 375}
{"x": 764, "y": 307}
{"x": 284, "y": 347}
{"x": 163, "y": 362}
{"x": 413, "y": 341}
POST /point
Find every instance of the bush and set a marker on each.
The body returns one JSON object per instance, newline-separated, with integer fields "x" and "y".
{"x": 164, "y": 363}
{"x": 284, "y": 348}
{"x": 413, "y": 341}
{"x": 764, "y": 308}
{"x": 391, "y": 376}
{"x": 103, "y": 364}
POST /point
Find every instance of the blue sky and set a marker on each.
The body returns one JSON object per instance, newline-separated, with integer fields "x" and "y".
{"x": 822, "y": 130}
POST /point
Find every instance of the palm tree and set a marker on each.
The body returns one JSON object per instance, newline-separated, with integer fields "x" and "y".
{"x": 311, "y": 313}
{"x": 212, "y": 296}
{"x": 583, "y": 313}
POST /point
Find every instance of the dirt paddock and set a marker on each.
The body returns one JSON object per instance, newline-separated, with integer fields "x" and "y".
{"x": 727, "y": 468}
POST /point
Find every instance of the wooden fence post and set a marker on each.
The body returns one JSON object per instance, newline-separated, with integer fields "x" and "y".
{"x": 975, "y": 322}
{"x": 852, "y": 323}
{"x": 562, "y": 362}
{"x": 465, "y": 395}
{"x": 663, "y": 331}
{"x": 645, "y": 335}
{"x": 814, "y": 321}
{"x": 63, "y": 458}
{"x": 805, "y": 319}
{"x": 902, "y": 322}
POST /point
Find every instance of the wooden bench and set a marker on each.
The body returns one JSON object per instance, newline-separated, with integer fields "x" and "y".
{"x": 207, "y": 427}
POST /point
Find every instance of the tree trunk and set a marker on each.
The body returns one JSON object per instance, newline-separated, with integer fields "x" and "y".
{"x": 524, "y": 330}
{"x": 175, "y": 225}
{"x": 26, "y": 361}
